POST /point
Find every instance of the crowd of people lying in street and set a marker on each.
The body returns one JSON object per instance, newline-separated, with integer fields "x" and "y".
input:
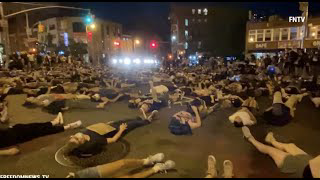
{"x": 202, "y": 90}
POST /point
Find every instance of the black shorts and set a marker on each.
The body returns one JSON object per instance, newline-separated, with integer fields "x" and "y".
{"x": 279, "y": 115}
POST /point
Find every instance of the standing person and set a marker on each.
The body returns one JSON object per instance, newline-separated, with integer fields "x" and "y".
{"x": 315, "y": 64}
{"x": 293, "y": 58}
{"x": 31, "y": 60}
{"x": 69, "y": 59}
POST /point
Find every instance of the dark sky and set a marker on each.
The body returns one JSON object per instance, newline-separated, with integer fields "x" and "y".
{"x": 152, "y": 17}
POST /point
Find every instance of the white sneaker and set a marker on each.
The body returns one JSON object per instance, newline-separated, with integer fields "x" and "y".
{"x": 60, "y": 117}
{"x": 227, "y": 169}
{"x": 269, "y": 138}
{"x": 246, "y": 132}
{"x": 159, "y": 167}
{"x": 212, "y": 166}
{"x": 75, "y": 125}
{"x": 157, "y": 158}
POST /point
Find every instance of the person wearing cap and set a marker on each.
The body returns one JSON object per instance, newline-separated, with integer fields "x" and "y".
{"x": 21, "y": 133}
{"x": 287, "y": 156}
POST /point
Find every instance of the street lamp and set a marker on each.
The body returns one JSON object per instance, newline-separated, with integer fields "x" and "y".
{"x": 92, "y": 26}
{"x": 173, "y": 38}
{"x": 137, "y": 42}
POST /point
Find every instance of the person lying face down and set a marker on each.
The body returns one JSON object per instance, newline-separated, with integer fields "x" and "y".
{"x": 94, "y": 138}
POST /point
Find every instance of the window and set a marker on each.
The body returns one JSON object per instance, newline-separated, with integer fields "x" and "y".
{"x": 193, "y": 11}
{"x": 267, "y": 35}
{"x": 186, "y": 45}
{"x": 186, "y": 22}
{"x": 259, "y": 35}
{"x": 313, "y": 32}
{"x": 107, "y": 29}
{"x": 78, "y": 27}
{"x": 276, "y": 34}
{"x": 293, "y": 33}
{"x": 205, "y": 11}
{"x": 186, "y": 33}
{"x": 284, "y": 34}
{"x": 52, "y": 27}
{"x": 199, "y": 11}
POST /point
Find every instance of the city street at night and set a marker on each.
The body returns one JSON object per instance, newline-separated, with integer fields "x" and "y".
{"x": 159, "y": 89}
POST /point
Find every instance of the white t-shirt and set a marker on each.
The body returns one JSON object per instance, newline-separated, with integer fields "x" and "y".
{"x": 244, "y": 116}
{"x": 161, "y": 89}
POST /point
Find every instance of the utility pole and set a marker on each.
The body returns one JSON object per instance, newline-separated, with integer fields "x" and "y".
{"x": 304, "y": 6}
{"x": 4, "y": 39}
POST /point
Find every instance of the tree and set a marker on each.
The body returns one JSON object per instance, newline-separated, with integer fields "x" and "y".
{"x": 77, "y": 48}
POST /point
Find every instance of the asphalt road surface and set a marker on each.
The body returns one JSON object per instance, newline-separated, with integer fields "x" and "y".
{"x": 217, "y": 136}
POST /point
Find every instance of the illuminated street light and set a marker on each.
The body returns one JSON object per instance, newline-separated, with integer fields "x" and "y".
{"x": 114, "y": 61}
{"x": 137, "y": 41}
{"x": 174, "y": 38}
{"x": 251, "y": 39}
{"x": 92, "y": 26}
{"x": 313, "y": 34}
{"x": 127, "y": 61}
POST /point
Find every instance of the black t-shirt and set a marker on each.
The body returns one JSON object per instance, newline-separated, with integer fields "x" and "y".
{"x": 8, "y": 138}
{"x": 94, "y": 146}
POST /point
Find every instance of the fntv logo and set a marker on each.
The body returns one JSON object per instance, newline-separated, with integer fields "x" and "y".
{"x": 296, "y": 19}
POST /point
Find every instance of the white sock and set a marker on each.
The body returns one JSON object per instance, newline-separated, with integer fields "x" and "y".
{"x": 146, "y": 161}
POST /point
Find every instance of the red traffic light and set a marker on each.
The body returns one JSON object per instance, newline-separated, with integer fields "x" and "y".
{"x": 116, "y": 43}
{"x": 153, "y": 44}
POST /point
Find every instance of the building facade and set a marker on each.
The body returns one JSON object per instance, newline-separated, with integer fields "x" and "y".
{"x": 214, "y": 30}
{"x": 19, "y": 35}
{"x": 100, "y": 39}
{"x": 279, "y": 34}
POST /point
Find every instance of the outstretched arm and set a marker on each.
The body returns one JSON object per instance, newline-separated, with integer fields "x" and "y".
{"x": 9, "y": 151}
{"x": 115, "y": 138}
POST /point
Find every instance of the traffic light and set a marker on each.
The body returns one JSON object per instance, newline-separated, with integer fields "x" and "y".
{"x": 89, "y": 19}
{"x": 153, "y": 44}
{"x": 89, "y": 36}
{"x": 41, "y": 28}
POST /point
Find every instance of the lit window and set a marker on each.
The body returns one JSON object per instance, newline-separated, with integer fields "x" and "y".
{"x": 193, "y": 11}
{"x": 199, "y": 11}
{"x": 186, "y": 45}
{"x": 259, "y": 35}
{"x": 276, "y": 34}
{"x": 284, "y": 34}
{"x": 186, "y": 22}
{"x": 267, "y": 35}
{"x": 186, "y": 33}
{"x": 293, "y": 33}
{"x": 205, "y": 11}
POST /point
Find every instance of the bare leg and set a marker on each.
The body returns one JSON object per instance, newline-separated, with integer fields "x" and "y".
{"x": 143, "y": 174}
{"x": 287, "y": 147}
{"x": 277, "y": 155}
{"x": 291, "y": 102}
{"x": 106, "y": 170}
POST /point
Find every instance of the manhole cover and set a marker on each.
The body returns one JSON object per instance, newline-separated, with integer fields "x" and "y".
{"x": 111, "y": 153}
